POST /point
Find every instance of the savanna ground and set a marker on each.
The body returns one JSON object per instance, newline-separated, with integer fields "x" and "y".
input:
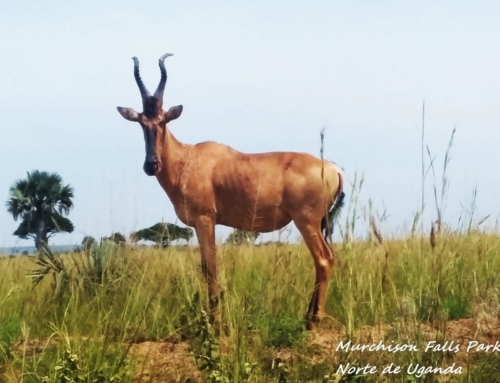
{"x": 123, "y": 314}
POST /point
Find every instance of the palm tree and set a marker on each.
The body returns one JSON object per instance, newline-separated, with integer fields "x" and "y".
{"x": 40, "y": 200}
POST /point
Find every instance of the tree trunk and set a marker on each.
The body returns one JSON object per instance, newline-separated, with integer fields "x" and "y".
{"x": 41, "y": 235}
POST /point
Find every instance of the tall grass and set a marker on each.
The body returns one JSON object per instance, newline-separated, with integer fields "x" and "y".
{"x": 151, "y": 295}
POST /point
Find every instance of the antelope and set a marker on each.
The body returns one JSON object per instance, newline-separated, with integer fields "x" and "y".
{"x": 213, "y": 184}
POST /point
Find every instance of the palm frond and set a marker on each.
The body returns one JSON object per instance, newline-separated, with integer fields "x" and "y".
{"x": 48, "y": 262}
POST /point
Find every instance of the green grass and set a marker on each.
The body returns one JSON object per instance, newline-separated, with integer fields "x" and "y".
{"x": 89, "y": 331}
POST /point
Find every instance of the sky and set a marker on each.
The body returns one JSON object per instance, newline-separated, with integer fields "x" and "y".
{"x": 257, "y": 76}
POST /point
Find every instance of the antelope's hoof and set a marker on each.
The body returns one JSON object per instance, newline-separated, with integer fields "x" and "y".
{"x": 312, "y": 321}
{"x": 214, "y": 300}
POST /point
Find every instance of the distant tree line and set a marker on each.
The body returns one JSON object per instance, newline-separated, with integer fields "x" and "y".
{"x": 162, "y": 234}
{"x": 41, "y": 201}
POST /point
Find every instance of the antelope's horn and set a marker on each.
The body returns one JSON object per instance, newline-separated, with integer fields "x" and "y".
{"x": 140, "y": 84}
{"x": 163, "y": 79}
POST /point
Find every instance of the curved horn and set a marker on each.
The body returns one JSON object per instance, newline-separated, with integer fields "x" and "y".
{"x": 163, "y": 80}
{"x": 142, "y": 87}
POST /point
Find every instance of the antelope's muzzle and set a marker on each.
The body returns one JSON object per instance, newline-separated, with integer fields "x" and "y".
{"x": 151, "y": 166}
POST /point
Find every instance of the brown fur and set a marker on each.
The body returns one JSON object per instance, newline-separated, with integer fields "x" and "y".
{"x": 210, "y": 183}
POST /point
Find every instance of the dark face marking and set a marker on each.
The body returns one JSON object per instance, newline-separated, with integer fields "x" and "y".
{"x": 152, "y": 162}
{"x": 150, "y": 106}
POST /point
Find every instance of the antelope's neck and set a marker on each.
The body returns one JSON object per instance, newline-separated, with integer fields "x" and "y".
{"x": 173, "y": 160}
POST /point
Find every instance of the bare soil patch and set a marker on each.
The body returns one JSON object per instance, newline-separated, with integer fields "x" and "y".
{"x": 171, "y": 361}
{"x": 164, "y": 362}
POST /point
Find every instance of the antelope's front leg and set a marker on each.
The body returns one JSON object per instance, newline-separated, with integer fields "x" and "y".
{"x": 205, "y": 231}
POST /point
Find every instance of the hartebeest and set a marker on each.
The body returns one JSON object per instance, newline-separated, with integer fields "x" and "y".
{"x": 210, "y": 183}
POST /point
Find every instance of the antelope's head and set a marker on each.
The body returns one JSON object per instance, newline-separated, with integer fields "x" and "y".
{"x": 153, "y": 118}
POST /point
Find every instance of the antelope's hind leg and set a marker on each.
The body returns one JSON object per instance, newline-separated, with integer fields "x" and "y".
{"x": 323, "y": 257}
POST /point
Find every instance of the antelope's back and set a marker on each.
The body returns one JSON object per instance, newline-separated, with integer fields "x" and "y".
{"x": 273, "y": 184}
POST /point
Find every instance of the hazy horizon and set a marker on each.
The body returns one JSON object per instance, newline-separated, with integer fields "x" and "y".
{"x": 258, "y": 77}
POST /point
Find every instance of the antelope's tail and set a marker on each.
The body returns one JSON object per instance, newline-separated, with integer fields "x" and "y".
{"x": 329, "y": 218}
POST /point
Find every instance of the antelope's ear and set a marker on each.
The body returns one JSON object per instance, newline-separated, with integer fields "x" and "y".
{"x": 173, "y": 113}
{"x": 128, "y": 113}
